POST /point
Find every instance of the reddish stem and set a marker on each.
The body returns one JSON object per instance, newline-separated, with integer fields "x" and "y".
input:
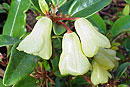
{"x": 28, "y": 27}
{"x": 67, "y": 18}
{"x": 68, "y": 29}
{"x": 87, "y": 79}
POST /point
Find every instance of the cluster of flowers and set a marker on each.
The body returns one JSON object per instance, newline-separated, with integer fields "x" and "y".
{"x": 75, "y": 51}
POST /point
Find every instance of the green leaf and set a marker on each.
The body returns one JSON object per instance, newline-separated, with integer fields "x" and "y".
{"x": 58, "y": 3}
{"x": 36, "y": 5}
{"x": 15, "y": 24}
{"x": 43, "y": 6}
{"x": 85, "y": 8}
{"x": 121, "y": 69}
{"x": 66, "y": 6}
{"x": 127, "y": 46}
{"x": 123, "y": 85}
{"x": 79, "y": 81}
{"x": 55, "y": 63}
{"x": 2, "y": 11}
{"x": 20, "y": 66}
{"x": 128, "y": 1}
{"x": 7, "y": 40}
{"x": 121, "y": 25}
{"x": 26, "y": 82}
{"x": 1, "y": 83}
{"x": 97, "y": 21}
{"x": 6, "y": 6}
{"x": 58, "y": 29}
{"x": 126, "y": 10}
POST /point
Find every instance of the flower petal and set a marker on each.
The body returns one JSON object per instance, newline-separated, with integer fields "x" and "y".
{"x": 72, "y": 60}
{"x": 38, "y": 42}
{"x": 91, "y": 39}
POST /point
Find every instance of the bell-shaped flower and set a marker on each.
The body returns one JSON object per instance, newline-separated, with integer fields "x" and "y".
{"x": 38, "y": 42}
{"x": 107, "y": 58}
{"x": 91, "y": 39}
{"x": 72, "y": 59}
{"x": 99, "y": 75}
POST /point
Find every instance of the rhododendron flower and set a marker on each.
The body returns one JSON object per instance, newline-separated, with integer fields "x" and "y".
{"x": 99, "y": 75}
{"x": 91, "y": 39}
{"x": 38, "y": 42}
{"x": 72, "y": 59}
{"x": 107, "y": 58}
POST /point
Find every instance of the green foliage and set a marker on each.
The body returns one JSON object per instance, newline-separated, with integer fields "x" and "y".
{"x": 26, "y": 82}
{"x": 1, "y": 83}
{"x": 121, "y": 25}
{"x": 7, "y": 40}
{"x": 123, "y": 85}
{"x": 58, "y": 29}
{"x": 97, "y": 21}
{"x": 85, "y": 8}
{"x": 58, "y": 3}
{"x": 66, "y": 6}
{"x": 128, "y": 1}
{"x": 126, "y": 10}
{"x": 36, "y": 5}
{"x": 121, "y": 69}
{"x": 20, "y": 66}
{"x": 16, "y": 20}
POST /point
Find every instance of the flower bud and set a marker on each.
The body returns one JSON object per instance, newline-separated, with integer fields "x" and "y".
{"x": 91, "y": 39}
{"x": 72, "y": 59}
{"x": 99, "y": 74}
{"x": 106, "y": 58}
{"x": 38, "y": 42}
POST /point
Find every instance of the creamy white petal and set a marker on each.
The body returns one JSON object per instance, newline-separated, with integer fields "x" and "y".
{"x": 72, "y": 59}
{"x": 38, "y": 42}
{"x": 99, "y": 74}
{"x": 91, "y": 39}
{"x": 106, "y": 58}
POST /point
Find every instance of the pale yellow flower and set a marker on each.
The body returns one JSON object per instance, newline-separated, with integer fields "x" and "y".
{"x": 91, "y": 39}
{"x": 38, "y": 42}
{"x": 99, "y": 75}
{"x": 72, "y": 59}
{"x": 107, "y": 58}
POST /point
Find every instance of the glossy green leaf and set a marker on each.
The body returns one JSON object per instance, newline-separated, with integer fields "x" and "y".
{"x": 121, "y": 25}
{"x": 126, "y": 10}
{"x": 1, "y": 83}
{"x": 36, "y": 5}
{"x": 20, "y": 66}
{"x": 79, "y": 81}
{"x": 58, "y": 29}
{"x": 16, "y": 21}
{"x": 128, "y": 1}
{"x": 7, "y": 40}
{"x": 26, "y": 82}
{"x": 127, "y": 46}
{"x": 2, "y": 11}
{"x": 97, "y": 21}
{"x": 58, "y": 3}
{"x": 6, "y": 6}
{"x": 121, "y": 69}
{"x": 43, "y": 6}
{"x": 85, "y": 8}
{"x": 66, "y": 6}
{"x": 123, "y": 85}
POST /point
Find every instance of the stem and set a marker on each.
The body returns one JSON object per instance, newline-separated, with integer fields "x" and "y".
{"x": 87, "y": 79}
{"x": 28, "y": 27}
{"x": 67, "y": 18}
{"x": 68, "y": 29}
